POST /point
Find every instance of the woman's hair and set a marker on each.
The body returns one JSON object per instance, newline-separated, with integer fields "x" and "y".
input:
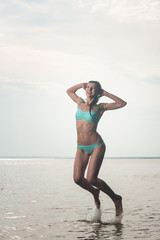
{"x": 98, "y": 95}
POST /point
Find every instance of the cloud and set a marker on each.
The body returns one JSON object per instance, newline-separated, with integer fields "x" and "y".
{"x": 57, "y": 12}
{"x": 16, "y": 13}
{"x": 153, "y": 79}
{"x": 21, "y": 6}
{"x": 30, "y": 86}
{"x": 44, "y": 37}
{"x": 47, "y": 46}
{"x": 125, "y": 10}
{"x": 100, "y": 5}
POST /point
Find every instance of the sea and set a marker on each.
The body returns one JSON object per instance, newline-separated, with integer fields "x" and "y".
{"x": 39, "y": 200}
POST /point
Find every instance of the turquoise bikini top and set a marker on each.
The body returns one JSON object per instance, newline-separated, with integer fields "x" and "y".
{"x": 88, "y": 116}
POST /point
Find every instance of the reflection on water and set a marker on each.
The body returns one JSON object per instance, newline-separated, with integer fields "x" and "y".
{"x": 39, "y": 200}
{"x": 102, "y": 230}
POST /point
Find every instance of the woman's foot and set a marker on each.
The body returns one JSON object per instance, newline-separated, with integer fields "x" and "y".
{"x": 118, "y": 205}
{"x": 96, "y": 198}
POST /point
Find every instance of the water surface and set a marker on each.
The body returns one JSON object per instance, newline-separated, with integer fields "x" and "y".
{"x": 39, "y": 200}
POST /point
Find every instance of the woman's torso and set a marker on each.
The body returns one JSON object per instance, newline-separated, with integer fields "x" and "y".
{"x": 87, "y": 124}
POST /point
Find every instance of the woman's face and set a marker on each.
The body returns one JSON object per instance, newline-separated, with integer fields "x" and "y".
{"x": 91, "y": 90}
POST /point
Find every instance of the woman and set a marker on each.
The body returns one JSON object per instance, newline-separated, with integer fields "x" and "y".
{"x": 90, "y": 144}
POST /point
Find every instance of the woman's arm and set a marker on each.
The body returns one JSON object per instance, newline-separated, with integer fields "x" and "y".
{"x": 72, "y": 92}
{"x": 118, "y": 102}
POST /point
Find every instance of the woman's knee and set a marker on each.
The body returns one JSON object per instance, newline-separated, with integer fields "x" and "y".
{"x": 91, "y": 180}
{"x": 77, "y": 179}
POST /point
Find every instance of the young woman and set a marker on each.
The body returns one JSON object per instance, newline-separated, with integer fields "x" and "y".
{"x": 90, "y": 147}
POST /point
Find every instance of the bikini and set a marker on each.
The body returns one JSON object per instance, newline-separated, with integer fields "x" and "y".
{"x": 93, "y": 117}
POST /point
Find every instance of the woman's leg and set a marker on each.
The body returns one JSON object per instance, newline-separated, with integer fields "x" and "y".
{"x": 80, "y": 165}
{"x": 92, "y": 177}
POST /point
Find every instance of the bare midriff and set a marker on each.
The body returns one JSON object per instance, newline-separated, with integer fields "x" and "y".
{"x": 87, "y": 133}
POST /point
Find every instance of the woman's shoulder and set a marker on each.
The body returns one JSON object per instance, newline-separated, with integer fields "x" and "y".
{"x": 80, "y": 100}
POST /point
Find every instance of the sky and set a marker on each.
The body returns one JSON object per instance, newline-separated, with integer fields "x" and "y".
{"x": 47, "y": 46}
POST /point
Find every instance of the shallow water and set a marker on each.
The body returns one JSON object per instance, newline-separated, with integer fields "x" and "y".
{"x": 39, "y": 200}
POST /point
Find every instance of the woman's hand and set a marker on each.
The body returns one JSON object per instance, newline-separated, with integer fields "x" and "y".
{"x": 84, "y": 85}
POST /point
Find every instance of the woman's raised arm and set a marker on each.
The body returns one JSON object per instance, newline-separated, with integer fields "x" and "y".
{"x": 118, "y": 102}
{"x": 72, "y": 92}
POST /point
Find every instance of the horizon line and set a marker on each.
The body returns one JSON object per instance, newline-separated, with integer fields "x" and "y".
{"x": 71, "y": 157}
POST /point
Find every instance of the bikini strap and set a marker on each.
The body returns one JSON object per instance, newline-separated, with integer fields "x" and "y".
{"x": 84, "y": 101}
{"x": 80, "y": 102}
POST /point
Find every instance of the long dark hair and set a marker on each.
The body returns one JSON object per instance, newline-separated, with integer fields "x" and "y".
{"x": 99, "y": 94}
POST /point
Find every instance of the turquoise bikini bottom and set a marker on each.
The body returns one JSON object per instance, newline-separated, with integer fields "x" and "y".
{"x": 89, "y": 148}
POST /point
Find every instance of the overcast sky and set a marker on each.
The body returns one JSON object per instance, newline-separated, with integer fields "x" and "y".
{"x": 46, "y": 46}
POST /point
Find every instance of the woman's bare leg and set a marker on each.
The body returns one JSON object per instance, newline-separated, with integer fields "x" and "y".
{"x": 80, "y": 165}
{"x": 93, "y": 170}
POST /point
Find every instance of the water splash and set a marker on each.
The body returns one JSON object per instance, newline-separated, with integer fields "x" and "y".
{"x": 94, "y": 215}
{"x": 117, "y": 219}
